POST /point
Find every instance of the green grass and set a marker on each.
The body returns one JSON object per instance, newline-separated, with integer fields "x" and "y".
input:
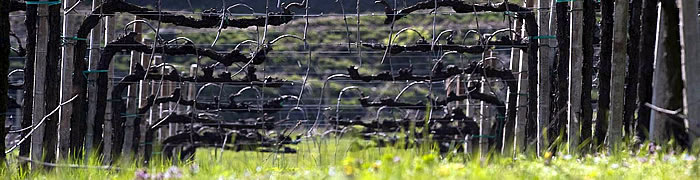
{"x": 346, "y": 159}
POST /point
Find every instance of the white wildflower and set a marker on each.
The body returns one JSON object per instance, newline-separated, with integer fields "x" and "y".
{"x": 172, "y": 173}
{"x": 331, "y": 171}
{"x": 194, "y": 168}
{"x": 687, "y": 157}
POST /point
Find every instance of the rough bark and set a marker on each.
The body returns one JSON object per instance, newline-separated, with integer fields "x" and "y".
{"x": 633, "y": 66}
{"x": 532, "y": 30}
{"x": 589, "y": 22}
{"x": 39, "y": 90}
{"x": 562, "y": 68}
{"x": 69, "y": 30}
{"x": 521, "y": 124}
{"x": 439, "y": 73}
{"x": 456, "y": 5}
{"x": 485, "y": 120}
{"x": 522, "y": 115}
{"x": 544, "y": 86}
{"x": 509, "y": 131}
{"x": 604, "y": 74}
{"x": 427, "y": 47}
{"x": 28, "y": 94}
{"x": 657, "y": 125}
{"x": 52, "y": 82}
{"x": 4, "y": 66}
{"x": 77, "y": 119}
{"x": 690, "y": 36}
{"x": 675, "y": 126}
{"x": 575, "y": 76}
{"x": 144, "y": 92}
{"x": 109, "y": 35}
{"x": 132, "y": 104}
{"x": 646, "y": 67}
{"x": 93, "y": 137}
{"x": 210, "y": 19}
{"x": 619, "y": 63}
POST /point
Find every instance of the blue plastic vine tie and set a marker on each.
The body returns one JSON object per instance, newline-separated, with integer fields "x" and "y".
{"x": 93, "y": 71}
{"x": 75, "y": 38}
{"x": 130, "y": 115}
{"x": 543, "y": 37}
{"x": 50, "y": 3}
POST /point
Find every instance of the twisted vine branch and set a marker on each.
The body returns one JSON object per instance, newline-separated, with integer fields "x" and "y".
{"x": 456, "y": 5}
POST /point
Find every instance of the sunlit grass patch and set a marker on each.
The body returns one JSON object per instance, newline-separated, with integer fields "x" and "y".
{"x": 335, "y": 159}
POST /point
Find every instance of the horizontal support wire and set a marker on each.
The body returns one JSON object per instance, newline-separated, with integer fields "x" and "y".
{"x": 300, "y": 50}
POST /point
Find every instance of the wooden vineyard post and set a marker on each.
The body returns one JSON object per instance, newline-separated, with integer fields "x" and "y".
{"x": 586, "y": 123}
{"x": 91, "y": 136}
{"x": 523, "y": 95}
{"x": 521, "y": 117}
{"x": 657, "y": 125}
{"x": 671, "y": 63}
{"x": 144, "y": 92}
{"x": 668, "y": 72}
{"x": 604, "y": 67}
{"x": 132, "y": 102}
{"x": 544, "y": 74}
{"x": 509, "y": 141}
{"x": 39, "y": 78}
{"x": 691, "y": 76}
{"x": 672, "y": 58}
{"x": 470, "y": 105}
{"x": 471, "y": 111}
{"x": 460, "y": 89}
{"x": 191, "y": 87}
{"x": 156, "y": 114}
{"x": 108, "y": 130}
{"x": 646, "y": 68}
{"x": 169, "y": 87}
{"x": 69, "y": 30}
{"x": 4, "y": 64}
{"x": 164, "y": 108}
{"x": 52, "y": 83}
{"x": 561, "y": 92}
{"x": 617, "y": 87}
{"x": 575, "y": 74}
{"x": 631, "y": 81}
{"x": 156, "y": 111}
{"x": 28, "y": 94}
{"x": 484, "y": 121}
{"x": 17, "y": 120}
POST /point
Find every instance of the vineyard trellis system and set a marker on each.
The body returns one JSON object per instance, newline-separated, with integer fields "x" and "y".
{"x": 129, "y": 114}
